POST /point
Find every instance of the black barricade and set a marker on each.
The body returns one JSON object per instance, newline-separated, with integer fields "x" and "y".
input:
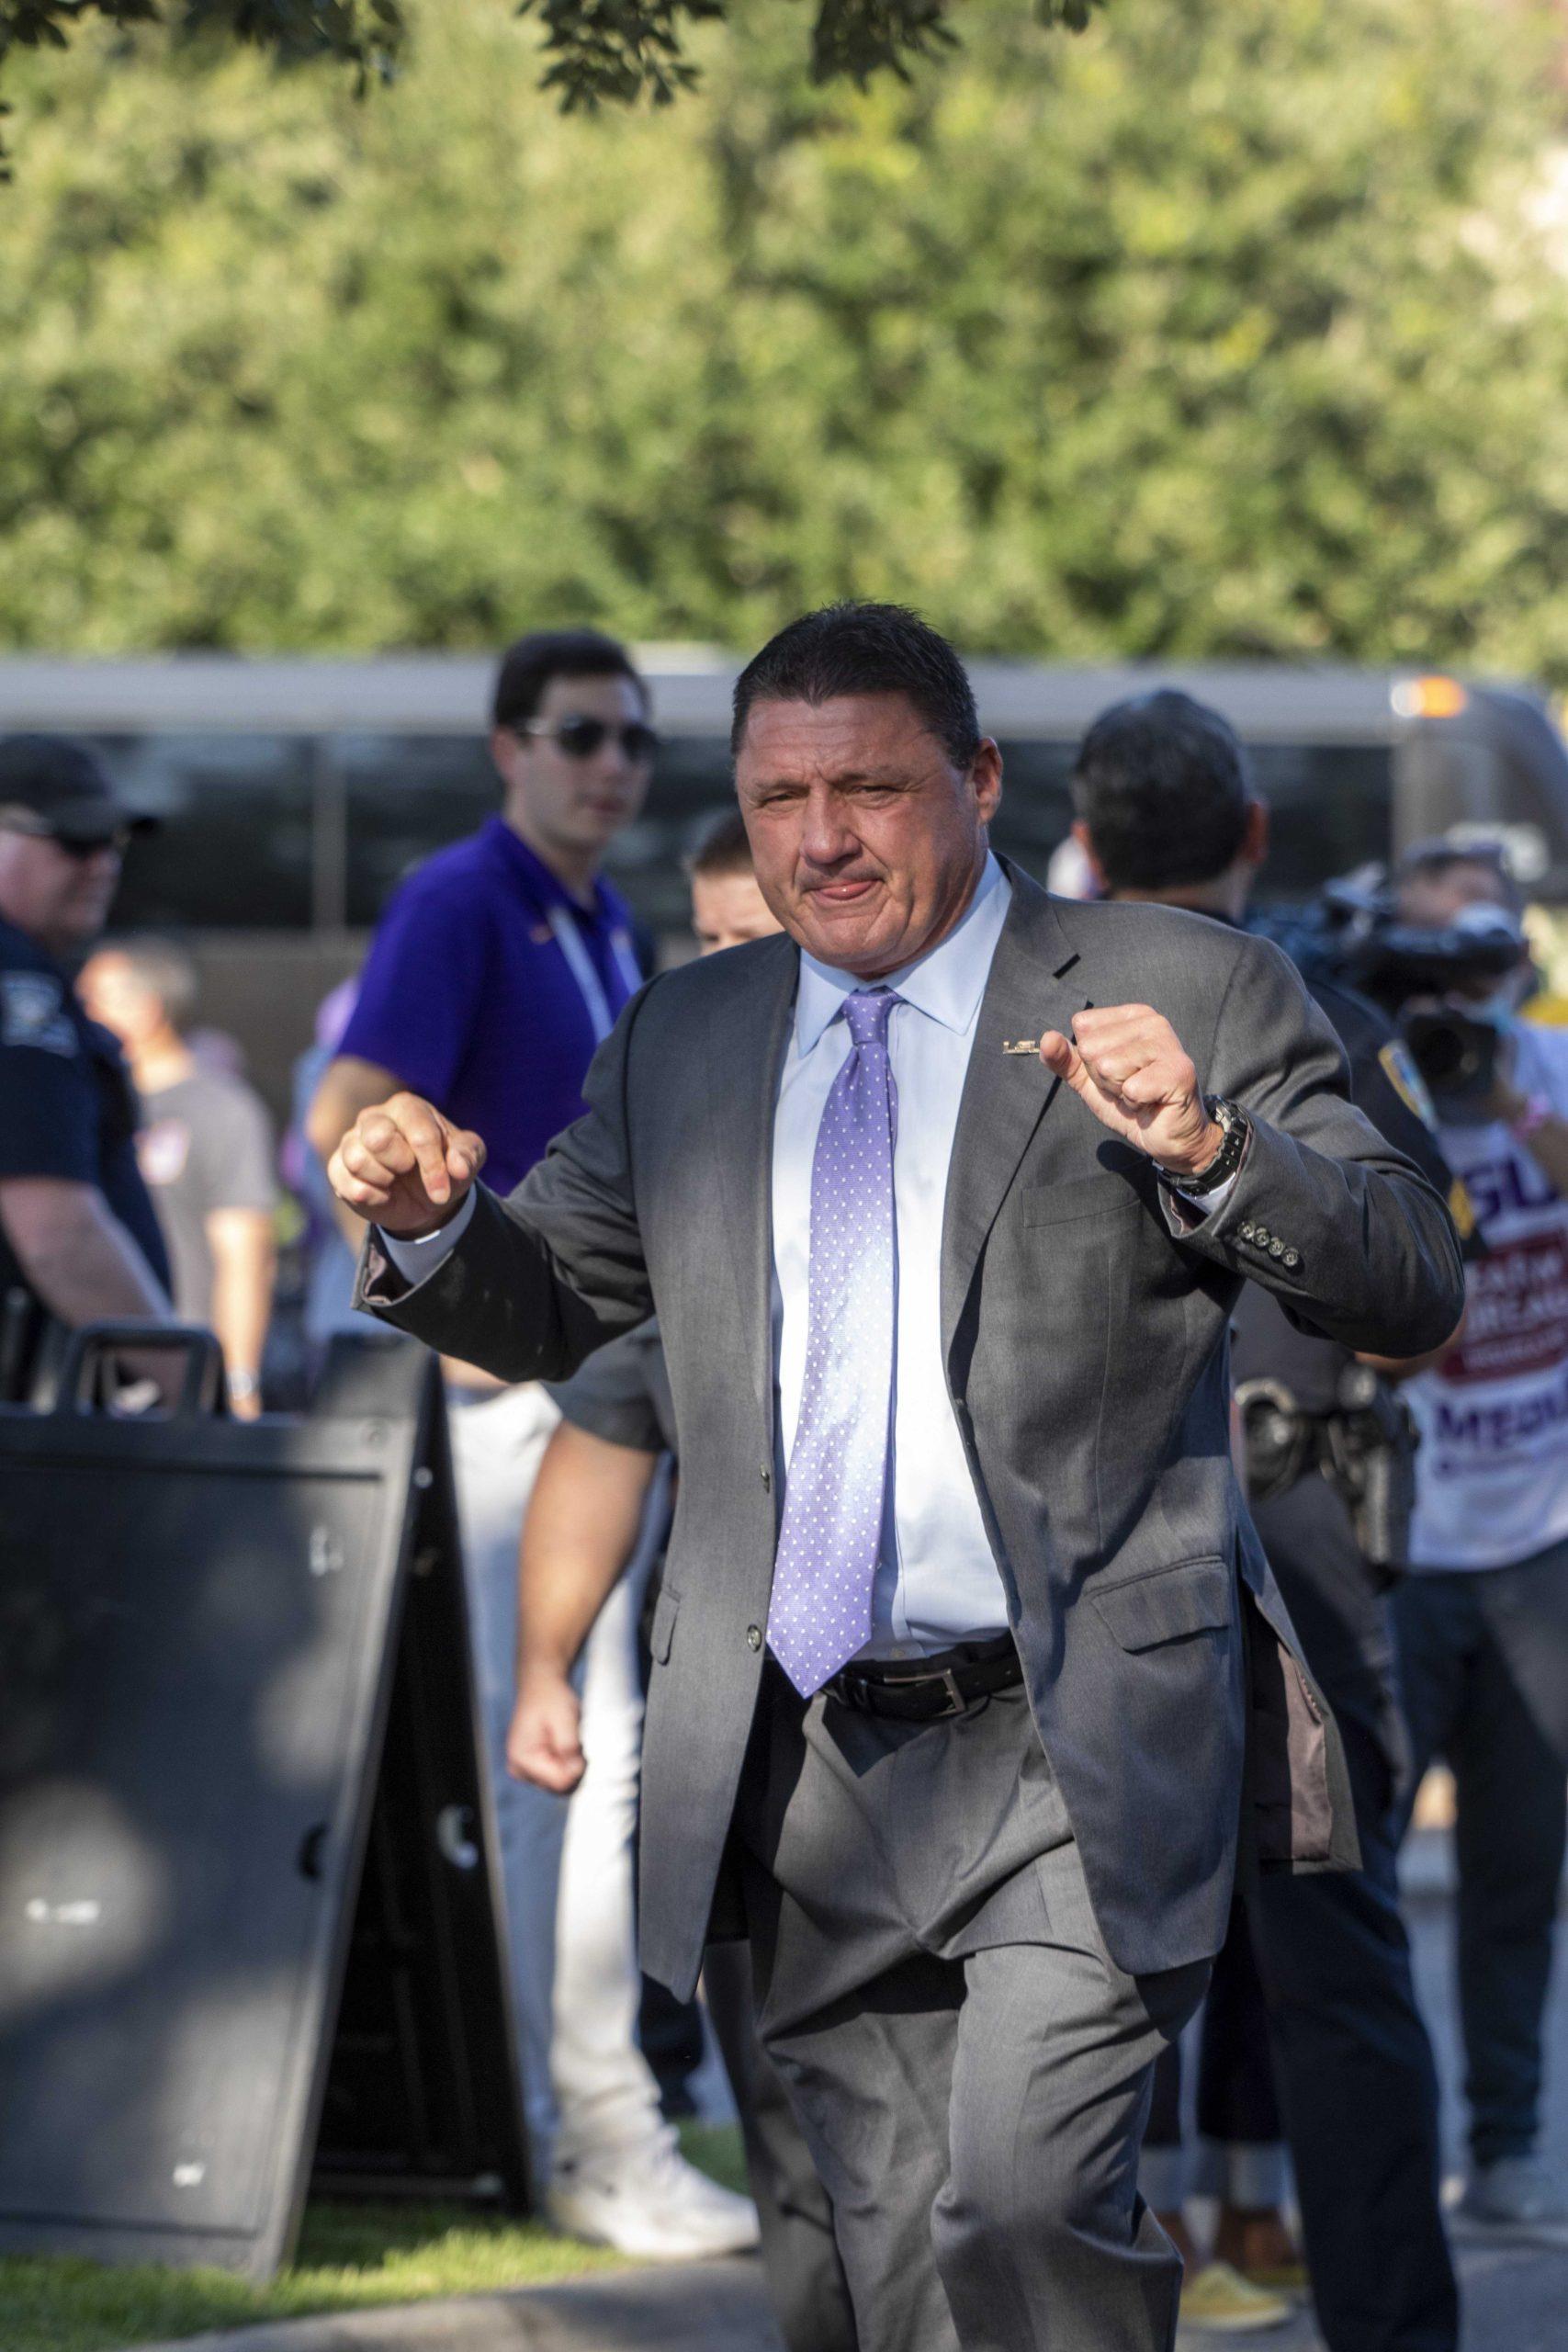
{"x": 248, "y": 1907}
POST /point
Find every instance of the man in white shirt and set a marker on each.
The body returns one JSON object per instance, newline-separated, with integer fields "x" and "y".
{"x": 1482, "y": 1618}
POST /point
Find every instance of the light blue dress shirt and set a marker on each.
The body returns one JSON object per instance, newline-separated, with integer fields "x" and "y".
{"x": 937, "y": 1582}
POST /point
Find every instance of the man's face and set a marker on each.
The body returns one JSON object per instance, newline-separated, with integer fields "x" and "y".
{"x": 727, "y": 910}
{"x": 867, "y": 839}
{"x": 112, "y": 991}
{"x": 571, "y": 801}
{"x": 59, "y": 897}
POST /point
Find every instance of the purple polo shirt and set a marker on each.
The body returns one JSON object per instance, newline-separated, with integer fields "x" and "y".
{"x": 470, "y": 998}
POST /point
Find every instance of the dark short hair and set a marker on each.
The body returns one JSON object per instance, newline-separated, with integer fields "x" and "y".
{"x": 723, "y": 846}
{"x": 527, "y": 667}
{"x": 864, "y": 650}
{"x": 1162, "y": 785}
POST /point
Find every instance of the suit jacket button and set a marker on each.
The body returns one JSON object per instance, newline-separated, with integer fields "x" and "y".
{"x": 1292, "y": 1259}
{"x": 1260, "y": 1235}
{"x": 767, "y": 1478}
{"x": 754, "y": 1637}
{"x": 1248, "y": 1232}
{"x": 1276, "y": 1248}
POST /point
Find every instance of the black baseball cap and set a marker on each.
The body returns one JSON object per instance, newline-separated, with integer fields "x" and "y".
{"x": 54, "y": 787}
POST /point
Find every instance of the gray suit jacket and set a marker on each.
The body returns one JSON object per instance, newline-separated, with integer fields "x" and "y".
{"x": 1086, "y": 1344}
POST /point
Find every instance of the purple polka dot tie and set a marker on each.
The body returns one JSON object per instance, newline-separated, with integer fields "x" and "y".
{"x": 831, "y": 1539}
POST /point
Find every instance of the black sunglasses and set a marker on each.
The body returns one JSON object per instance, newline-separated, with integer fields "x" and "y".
{"x": 74, "y": 844}
{"x": 581, "y": 738}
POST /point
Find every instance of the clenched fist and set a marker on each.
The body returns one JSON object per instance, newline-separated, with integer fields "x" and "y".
{"x": 544, "y": 1743}
{"x": 1126, "y": 1062}
{"x": 403, "y": 1166}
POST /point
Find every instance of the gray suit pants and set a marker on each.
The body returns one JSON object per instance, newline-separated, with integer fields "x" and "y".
{"x": 971, "y": 2071}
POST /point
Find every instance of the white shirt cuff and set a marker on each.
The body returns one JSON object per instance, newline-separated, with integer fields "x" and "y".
{"x": 1204, "y": 1203}
{"x": 414, "y": 1259}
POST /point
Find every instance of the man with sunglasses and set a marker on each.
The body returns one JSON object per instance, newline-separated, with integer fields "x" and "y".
{"x": 498, "y": 968}
{"x": 79, "y": 1238}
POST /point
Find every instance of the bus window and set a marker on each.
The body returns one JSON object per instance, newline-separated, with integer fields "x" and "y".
{"x": 234, "y": 849}
{"x": 405, "y": 797}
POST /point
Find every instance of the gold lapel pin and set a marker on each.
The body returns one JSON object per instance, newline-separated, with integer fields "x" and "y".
{"x": 1021, "y": 1044}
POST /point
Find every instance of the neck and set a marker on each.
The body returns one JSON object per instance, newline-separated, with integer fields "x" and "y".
{"x": 575, "y": 869}
{"x": 159, "y": 1061}
{"x": 1226, "y": 896}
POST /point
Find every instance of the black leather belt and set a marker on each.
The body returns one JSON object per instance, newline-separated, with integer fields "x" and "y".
{"x": 926, "y": 1689}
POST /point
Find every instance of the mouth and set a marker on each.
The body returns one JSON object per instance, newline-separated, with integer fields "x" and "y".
{"x": 843, "y": 894}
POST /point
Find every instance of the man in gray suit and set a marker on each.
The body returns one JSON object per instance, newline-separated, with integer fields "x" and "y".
{"x": 969, "y": 1662}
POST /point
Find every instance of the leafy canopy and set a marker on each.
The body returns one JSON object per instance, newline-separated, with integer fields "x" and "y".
{"x": 595, "y": 51}
{"x": 1233, "y": 327}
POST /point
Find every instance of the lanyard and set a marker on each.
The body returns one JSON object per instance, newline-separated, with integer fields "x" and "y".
{"x": 569, "y": 939}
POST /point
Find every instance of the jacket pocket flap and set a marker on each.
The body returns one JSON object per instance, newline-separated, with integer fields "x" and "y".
{"x": 662, "y": 1631}
{"x": 1083, "y": 1197}
{"x": 1167, "y": 1603}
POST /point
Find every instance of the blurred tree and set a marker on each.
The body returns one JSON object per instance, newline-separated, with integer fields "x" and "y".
{"x": 594, "y": 50}
{"x": 1229, "y": 328}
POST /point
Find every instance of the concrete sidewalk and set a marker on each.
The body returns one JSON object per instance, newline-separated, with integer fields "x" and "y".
{"x": 1515, "y": 2301}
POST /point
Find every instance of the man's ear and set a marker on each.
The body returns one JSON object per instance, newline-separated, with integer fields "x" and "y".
{"x": 1085, "y": 841}
{"x": 1253, "y": 851}
{"x": 505, "y": 751}
{"x": 985, "y": 779}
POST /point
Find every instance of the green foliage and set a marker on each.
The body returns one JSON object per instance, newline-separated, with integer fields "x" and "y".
{"x": 1227, "y": 329}
{"x": 597, "y": 51}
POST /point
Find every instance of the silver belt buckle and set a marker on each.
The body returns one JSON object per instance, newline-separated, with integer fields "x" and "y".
{"x": 947, "y": 1676}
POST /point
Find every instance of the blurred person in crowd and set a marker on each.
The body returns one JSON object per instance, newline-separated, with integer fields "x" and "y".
{"x": 975, "y": 1793}
{"x": 205, "y": 1149}
{"x": 329, "y": 1259}
{"x": 1166, "y": 814}
{"x": 590, "y": 1541}
{"x": 1482, "y": 1618}
{"x": 496, "y": 970}
{"x": 79, "y": 1238}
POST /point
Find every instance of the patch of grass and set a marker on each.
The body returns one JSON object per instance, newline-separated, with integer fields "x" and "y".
{"x": 351, "y": 2258}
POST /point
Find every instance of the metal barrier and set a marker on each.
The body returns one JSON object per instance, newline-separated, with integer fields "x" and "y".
{"x": 248, "y": 1926}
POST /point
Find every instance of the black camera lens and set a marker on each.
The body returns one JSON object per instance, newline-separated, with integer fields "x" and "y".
{"x": 1456, "y": 1056}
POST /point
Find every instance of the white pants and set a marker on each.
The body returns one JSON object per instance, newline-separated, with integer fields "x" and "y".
{"x": 566, "y": 1867}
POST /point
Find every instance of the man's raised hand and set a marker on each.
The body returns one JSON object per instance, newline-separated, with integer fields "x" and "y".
{"x": 403, "y": 1166}
{"x": 1127, "y": 1062}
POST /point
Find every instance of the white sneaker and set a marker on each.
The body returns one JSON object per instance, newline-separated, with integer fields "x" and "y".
{"x": 1518, "y": 2198}
{"x": 651, "y": 2203}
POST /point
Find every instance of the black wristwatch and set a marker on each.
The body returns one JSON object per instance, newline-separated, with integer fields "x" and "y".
{"x": 1226, "y": 1160}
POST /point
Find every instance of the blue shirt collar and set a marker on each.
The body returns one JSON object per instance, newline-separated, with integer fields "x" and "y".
{"x": 946, "y": 984}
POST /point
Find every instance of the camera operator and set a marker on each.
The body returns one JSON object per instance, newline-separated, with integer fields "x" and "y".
{"x": 1165, "y": 812}
{"x": 1483, "y": 1622}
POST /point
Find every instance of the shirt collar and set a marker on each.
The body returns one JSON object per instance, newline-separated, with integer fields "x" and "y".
{"x": 946, "y": 984}
{"x": 525, "y": 865}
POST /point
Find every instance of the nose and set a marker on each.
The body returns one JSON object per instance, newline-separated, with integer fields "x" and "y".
{"x": 827, "y": 837}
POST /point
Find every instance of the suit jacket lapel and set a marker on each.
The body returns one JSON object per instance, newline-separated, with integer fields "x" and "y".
{"x": 1035, "y": 984}
{"x": 746, "y": 1043}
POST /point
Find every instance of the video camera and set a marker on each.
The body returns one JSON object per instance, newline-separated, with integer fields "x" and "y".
{"x": 1352, "y": 933}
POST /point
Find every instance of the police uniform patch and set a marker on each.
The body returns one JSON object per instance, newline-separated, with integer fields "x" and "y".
{"x": 33, "y": 1012}
{"x": 1399, "y": 1068}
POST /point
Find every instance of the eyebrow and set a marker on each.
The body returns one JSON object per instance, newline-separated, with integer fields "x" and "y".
{"x": 852, "y": 775}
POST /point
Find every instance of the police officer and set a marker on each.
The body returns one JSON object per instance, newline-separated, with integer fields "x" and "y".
{"x": 79, "y": 1238}
{"x": 1165, "y": 812}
